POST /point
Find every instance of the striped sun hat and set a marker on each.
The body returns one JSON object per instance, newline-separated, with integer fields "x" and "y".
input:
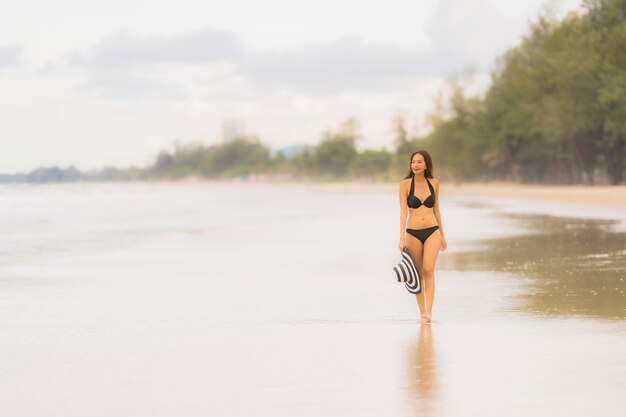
{"x": 406, "y": 272}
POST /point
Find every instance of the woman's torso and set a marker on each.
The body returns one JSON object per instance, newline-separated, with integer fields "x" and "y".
{"x": 423, "y": 216}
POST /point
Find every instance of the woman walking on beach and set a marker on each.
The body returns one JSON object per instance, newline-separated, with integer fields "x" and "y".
{"x": 422, "y": 232}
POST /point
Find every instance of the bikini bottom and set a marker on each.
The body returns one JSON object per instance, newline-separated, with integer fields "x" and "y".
{"x": 422, "y": 234}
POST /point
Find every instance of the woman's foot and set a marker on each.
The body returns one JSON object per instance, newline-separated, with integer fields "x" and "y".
{"x": 428, "y": 317}
{"x": 425, "y": 319}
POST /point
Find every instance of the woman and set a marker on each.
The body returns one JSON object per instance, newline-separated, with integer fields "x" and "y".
{"x": 422, "y": 233}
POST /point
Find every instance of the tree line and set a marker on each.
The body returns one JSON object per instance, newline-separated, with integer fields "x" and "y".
{"x": 335, "y": 157}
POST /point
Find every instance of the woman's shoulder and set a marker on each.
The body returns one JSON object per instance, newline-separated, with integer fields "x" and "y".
{"x": 434, "y": 180}
{"x": 404, "y": 185}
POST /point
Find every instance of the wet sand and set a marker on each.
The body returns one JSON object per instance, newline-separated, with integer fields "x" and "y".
{"x": 570, "y": 266}
{"x": 205, "y": 299}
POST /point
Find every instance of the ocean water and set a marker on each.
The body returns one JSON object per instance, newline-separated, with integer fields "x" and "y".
{"x": 235, "y": 299}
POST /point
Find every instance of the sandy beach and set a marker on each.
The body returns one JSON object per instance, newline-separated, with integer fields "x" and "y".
{"x": 601, "y": 195}
{"x": 611, "y": 196}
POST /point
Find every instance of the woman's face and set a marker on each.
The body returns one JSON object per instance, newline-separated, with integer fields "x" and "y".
{"x": 418, "y": 165}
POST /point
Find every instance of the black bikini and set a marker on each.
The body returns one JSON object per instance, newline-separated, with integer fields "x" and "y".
{"x": 414, "y": 202}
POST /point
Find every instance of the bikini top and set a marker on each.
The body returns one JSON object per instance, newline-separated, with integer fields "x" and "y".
{"x": 415, "y": 202}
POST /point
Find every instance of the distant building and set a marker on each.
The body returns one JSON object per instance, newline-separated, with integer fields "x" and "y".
{"x": 293, "y": 150}
{"x": 232, "y": 128}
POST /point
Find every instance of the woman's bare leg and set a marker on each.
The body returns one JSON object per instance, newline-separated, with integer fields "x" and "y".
{"x": 416, "y": 250}
{"x": 431, "y": 250}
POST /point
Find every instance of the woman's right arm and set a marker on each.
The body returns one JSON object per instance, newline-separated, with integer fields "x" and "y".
{"x": 403, "y": 213}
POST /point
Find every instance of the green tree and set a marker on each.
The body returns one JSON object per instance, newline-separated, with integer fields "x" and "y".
{"x": 608, "y": 23}
{"x": 371, "y": 164}
{"x": 335, "y": 152}
{"x": 238, "y": 157}
{"x": 453, "y": 143}
{"x": 402, "y": 144}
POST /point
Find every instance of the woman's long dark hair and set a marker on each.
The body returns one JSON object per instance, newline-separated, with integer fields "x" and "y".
{"x": 429, "y": 164}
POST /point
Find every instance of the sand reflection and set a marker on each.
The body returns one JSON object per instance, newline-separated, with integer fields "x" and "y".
{"x": 422, "y": 373}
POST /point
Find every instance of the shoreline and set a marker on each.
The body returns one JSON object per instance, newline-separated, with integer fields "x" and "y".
{"x": 606, "y": 196}
{"x": 609, "y": 196}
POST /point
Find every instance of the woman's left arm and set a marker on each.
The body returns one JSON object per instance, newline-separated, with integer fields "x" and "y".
{"x": 444, "y": 245}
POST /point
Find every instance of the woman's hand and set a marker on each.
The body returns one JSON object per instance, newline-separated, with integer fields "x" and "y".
{"x": 402, "y": 244}
{"x": 444, "y": 245}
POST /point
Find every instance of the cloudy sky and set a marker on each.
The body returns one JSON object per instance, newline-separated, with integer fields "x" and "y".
{"x": 111, "y": 83}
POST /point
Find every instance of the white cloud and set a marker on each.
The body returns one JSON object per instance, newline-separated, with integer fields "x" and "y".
{"x": 126, "y": 67}
{"x": 10, "y": 56}
{"x": 123, "y": 85}
{"x": 461, "y": 35}
{"x": 123, "y": 50}
{"x": 341, "y": 64}
{"x": 471, "y": 32}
